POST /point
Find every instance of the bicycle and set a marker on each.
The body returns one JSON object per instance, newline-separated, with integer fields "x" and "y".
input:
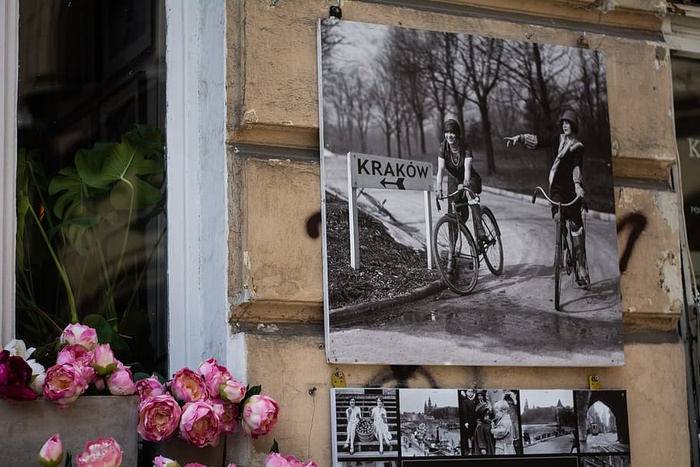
{"x": 563, "y": 254}
{"x": 457, "y": 254}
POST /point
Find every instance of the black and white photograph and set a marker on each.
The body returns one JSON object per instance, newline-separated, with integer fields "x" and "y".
{"x": 602, "y": 422}
{"x": 468, "y": 208}
{"x": 607, "y": 461}
{"x": 365, "y": 424}
{"x": 368, "y": 463}
{"x": 548, "y": 421}
{"x": 430, "y": 423}
{"x": 489, "y": 422}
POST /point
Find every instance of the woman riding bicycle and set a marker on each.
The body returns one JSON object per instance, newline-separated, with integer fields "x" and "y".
{"x": 565, "y": 182}
{"x": 455, "y": 155}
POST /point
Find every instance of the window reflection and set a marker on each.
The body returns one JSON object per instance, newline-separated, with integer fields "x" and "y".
{"x": 91, "y": 176}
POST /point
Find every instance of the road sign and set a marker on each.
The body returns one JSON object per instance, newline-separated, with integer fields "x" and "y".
{"x": 390, "y": 173}
{"x": 368, "y": 171}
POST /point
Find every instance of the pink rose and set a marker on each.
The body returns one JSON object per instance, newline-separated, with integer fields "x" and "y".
{"x": 64, "y": 384}
{"x": 51, "y": 453}
{"x": 232, "y": 391}
{"x": 158, "y": 417}
{"x": 188, "y": 386}
{"x": 15, "y": 377}
{"x": 149, "y": 387}
{"x": 121, "y": 381}
{"x": 276, "y": 460}
{"x": 103, "y": 452}
{"x": 229, "y": 416}
{"x": 78, "y": 355}
{"x": 259, "y": 415}
{"x": 161, "y": 461}
{"x": 214, "y": 375}
{"x": 103, "y": 359}
{"x": 79, "y": 334}
{"x": 199, "y": 424}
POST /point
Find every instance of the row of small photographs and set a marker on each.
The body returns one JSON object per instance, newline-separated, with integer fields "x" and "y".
{"x": 588, "y": 460}
{"x": 380, "y": 424}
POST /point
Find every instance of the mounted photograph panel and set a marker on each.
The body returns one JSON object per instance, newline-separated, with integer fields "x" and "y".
{"x": 480, "y": 427}
{"x": 414, "y": 276}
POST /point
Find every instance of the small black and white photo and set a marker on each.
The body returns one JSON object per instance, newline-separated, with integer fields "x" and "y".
{"x": 429, "y": 423}
{"x": 548, "y": 421}
{"x": 365, "y": 424}
{"x": 602, "y": 421}
{"x": 468, "y": 211}
{"x": 489, "y": 422}
{"x": 368, "y": 463}
{"x": 606, "y": 460}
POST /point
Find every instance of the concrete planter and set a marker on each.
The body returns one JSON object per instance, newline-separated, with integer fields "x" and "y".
{"x": 26, "y": 426}
{"x": 184, "y": 452}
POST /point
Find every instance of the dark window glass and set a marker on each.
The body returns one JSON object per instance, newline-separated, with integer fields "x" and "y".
{"x": 91, "y": 218}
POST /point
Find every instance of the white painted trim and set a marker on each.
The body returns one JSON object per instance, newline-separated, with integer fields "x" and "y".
{"x": 197, "y": 208}
{"x": 9, "y": 20}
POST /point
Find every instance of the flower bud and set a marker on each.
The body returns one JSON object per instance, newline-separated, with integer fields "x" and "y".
{"x": 51, "y": 453}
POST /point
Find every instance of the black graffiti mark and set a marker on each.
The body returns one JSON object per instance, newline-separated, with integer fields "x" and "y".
{"x": 313, "y": 225}
{"x": 399, "y": 376}
{"x": 638, "y": 223}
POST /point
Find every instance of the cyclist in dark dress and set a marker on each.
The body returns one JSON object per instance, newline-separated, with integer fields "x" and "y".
{"x": 455, "y": 156}
{"x": 565, "y": 182}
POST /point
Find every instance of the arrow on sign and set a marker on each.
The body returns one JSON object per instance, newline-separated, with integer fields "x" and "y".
{"x": 398, "y": 183}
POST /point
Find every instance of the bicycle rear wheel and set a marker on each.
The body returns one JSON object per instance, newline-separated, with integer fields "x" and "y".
{"x": 493, "y": 249}
{"x": 455, "y": 255}
{"x": 558, "y": 247}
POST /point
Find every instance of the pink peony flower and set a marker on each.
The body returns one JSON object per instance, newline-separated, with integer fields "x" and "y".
{"x": 103, "y": 359}
{"x": 214, "y": 375}
{"x": 260, "y": 415}
{"x": 121, "y": 381}
{"x": 158, "y": 417}
{"x": 64, "y": 384}
{"x": 78, "y": 355}
{"x": 188, "y": 386}
{"x": 79, "y": 334}
{"x": 161, "y": 461}
{"x": 103, "y": 452}
{"x": 229, "y": 416}
{"x": 276, "y": 460}
{"x": 149, "y": 387}
{"x": 51, "y": 453}
{"x": 15, "y": 377}
{"x": 232, "y": 391}
{"x": 199, "y": 424}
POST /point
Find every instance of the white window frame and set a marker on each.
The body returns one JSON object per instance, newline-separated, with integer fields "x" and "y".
{"x": 197, "y": 177}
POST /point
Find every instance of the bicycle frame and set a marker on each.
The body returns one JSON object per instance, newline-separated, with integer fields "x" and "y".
{"x": 561, "y": 242}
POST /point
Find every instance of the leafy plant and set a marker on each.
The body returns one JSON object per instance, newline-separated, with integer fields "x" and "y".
{"x": 95, "y": 223}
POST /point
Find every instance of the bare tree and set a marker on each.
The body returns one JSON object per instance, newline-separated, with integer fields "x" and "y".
{"x": 482, "y": 60}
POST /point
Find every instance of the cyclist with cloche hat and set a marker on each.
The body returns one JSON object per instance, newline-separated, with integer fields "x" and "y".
{"x": 565, "y": 181}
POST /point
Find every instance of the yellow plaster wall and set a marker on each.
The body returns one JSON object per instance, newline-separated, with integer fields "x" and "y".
{"x": 274, "y": 205}
{"x": 292, "y": 362}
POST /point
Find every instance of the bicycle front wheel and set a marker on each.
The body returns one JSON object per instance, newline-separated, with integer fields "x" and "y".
{"x": 456, "y": 255}
{"x": 558, "y": 247}
{"x": 493, "y": 249}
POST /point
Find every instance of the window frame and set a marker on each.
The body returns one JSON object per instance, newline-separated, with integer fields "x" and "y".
{"x": 195, "y": 44}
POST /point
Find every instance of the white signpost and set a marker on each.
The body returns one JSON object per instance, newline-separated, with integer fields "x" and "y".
{"x": 368, "y": 171}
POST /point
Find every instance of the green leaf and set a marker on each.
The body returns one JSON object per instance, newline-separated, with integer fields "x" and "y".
{"x": 105, "y": 333}
{"x": 275, "y": 447}
{"x": 253, "y": 391}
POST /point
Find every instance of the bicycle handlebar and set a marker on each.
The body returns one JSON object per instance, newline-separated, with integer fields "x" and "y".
{"x": 449, "y": 195}
{"x": 556, "y": 203}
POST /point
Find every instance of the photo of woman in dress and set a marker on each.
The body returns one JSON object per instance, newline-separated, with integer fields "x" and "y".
{"x": 381, "y": 428}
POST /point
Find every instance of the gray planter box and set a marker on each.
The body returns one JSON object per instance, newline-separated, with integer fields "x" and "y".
{"x": 27, "y": 425}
